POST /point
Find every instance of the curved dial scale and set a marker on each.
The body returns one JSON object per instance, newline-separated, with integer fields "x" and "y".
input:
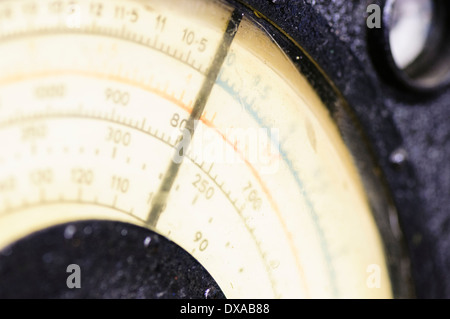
{"x": 185, "y": 118}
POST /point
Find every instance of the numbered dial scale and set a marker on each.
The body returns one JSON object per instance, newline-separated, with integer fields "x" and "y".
{"x": 185, "y": 118}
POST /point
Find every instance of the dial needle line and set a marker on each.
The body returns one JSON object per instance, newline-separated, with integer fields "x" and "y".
{"x": 160, "y": 199}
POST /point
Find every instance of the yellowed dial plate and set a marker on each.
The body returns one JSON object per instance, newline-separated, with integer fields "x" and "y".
{"x": 94, "y": 97}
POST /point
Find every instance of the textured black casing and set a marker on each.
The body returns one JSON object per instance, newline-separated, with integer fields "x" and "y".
{"x": 413, "y": 123}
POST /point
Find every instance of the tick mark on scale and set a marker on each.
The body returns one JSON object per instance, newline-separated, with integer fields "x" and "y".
{"x": 114, "y": 201}
{"x": 195, "y": 200}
